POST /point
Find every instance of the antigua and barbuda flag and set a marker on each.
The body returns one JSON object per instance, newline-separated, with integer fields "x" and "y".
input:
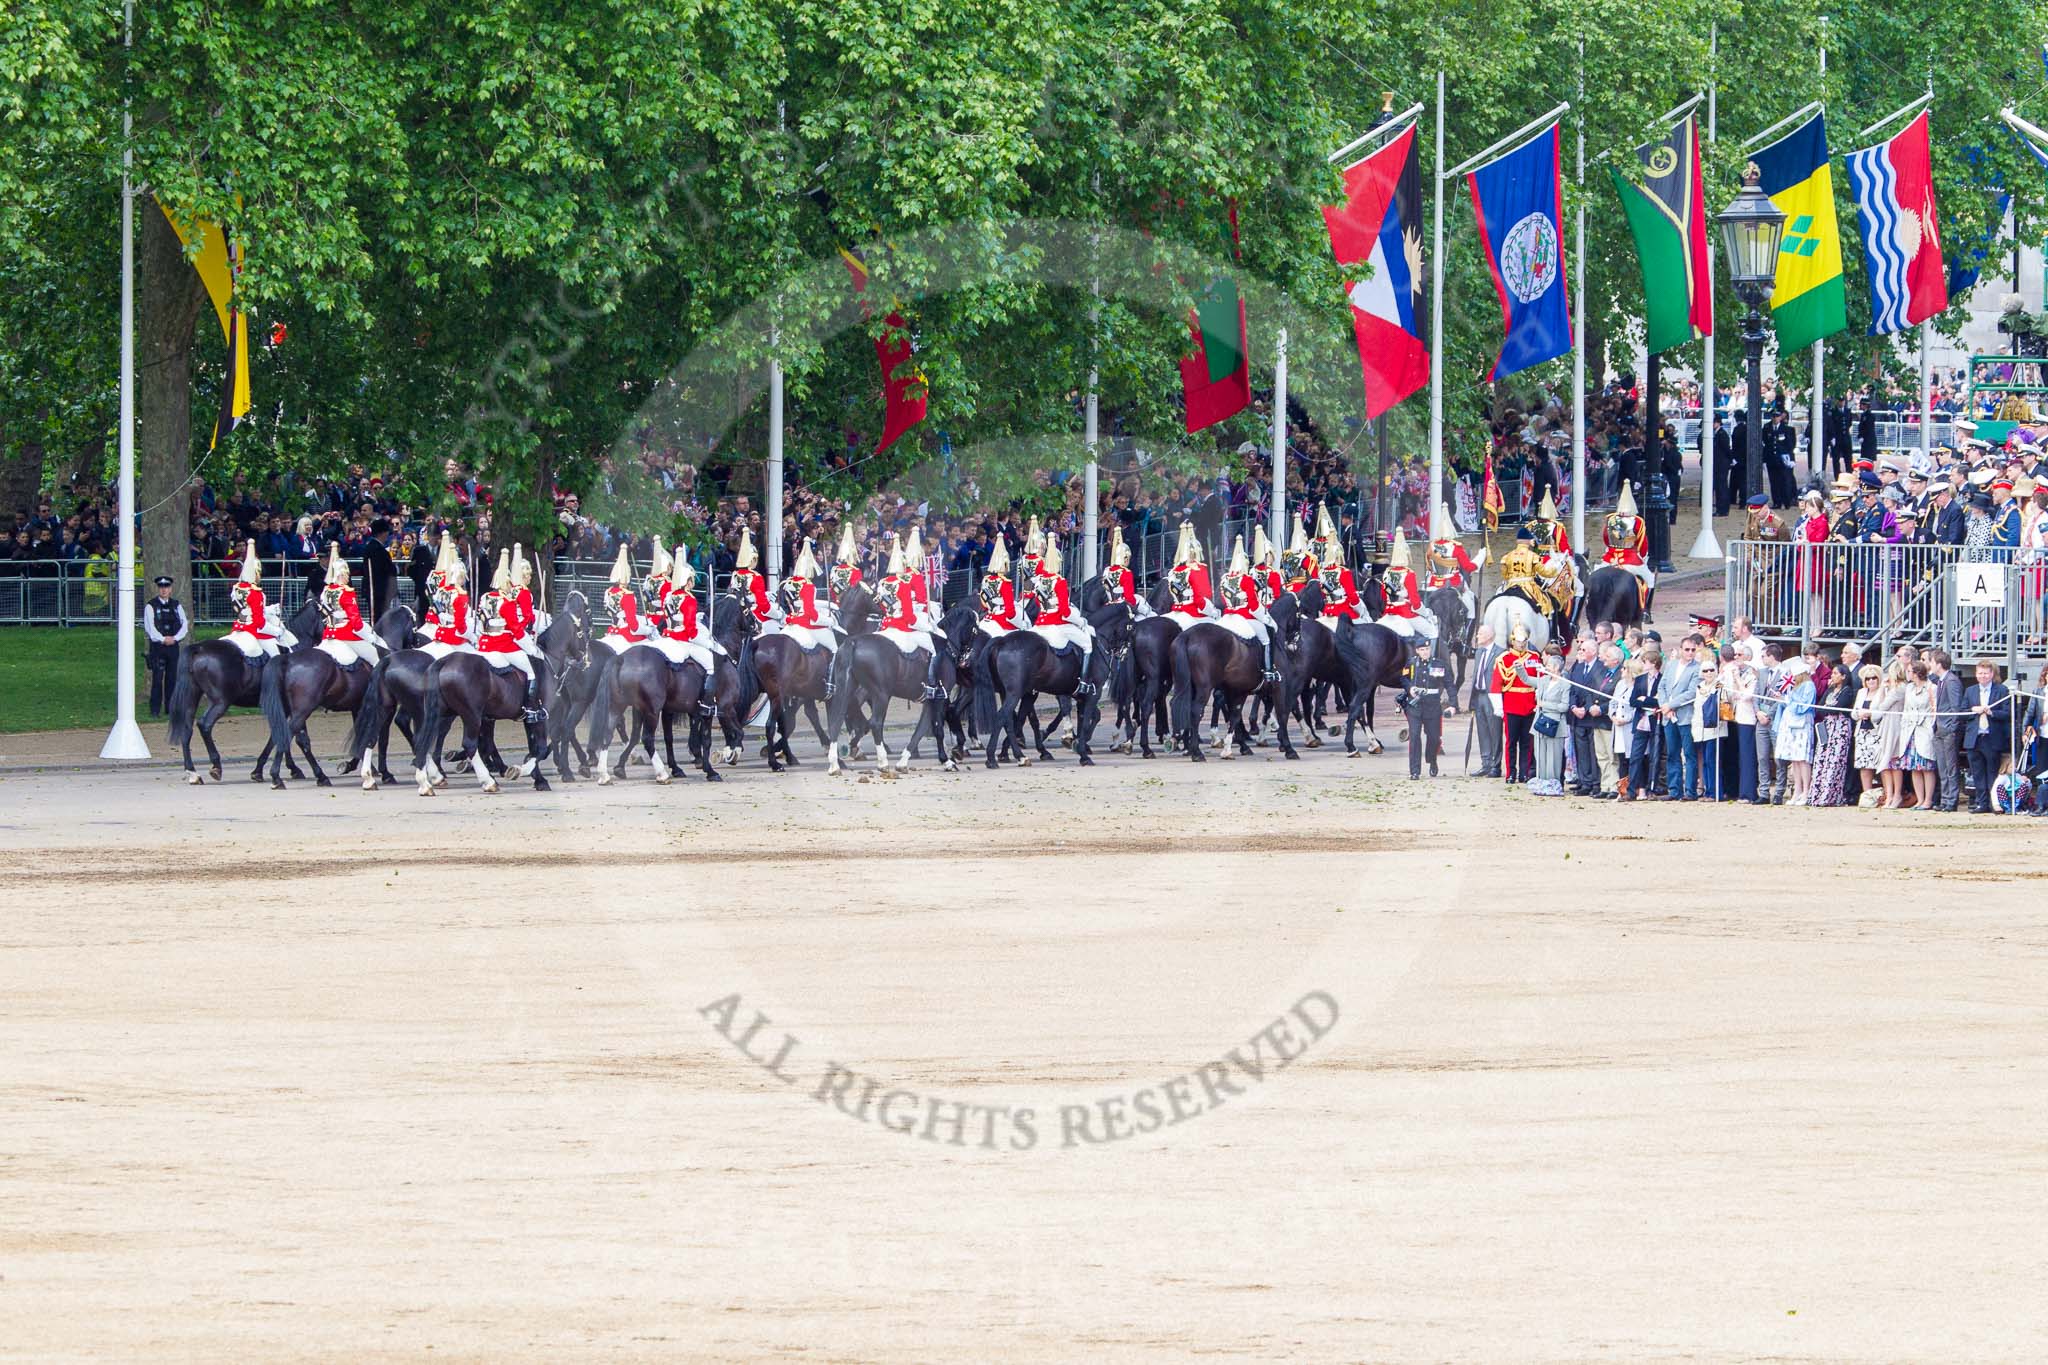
{"x": 1380, "y": 224}
{"x": 1519, "y": 197}
{"x": 1894, "y": 187}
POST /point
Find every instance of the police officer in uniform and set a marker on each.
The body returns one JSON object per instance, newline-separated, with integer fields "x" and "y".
{"x": 166, "y": 623}
{"x": 1432, "y": 694}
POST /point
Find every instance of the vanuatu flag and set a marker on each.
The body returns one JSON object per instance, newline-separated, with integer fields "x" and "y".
{"x": 1808, "y": 302}
{"x": 1669, "y": 221}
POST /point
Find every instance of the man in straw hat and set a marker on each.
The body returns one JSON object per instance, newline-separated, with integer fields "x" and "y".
{"x": 253, "y": 632}
{"x": 622, "y": 607}
{"x": 342, "y": 634}
{"x": 1057, "y": 621}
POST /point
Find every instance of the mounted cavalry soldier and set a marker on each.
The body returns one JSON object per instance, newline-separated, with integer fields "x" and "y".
{"x": 449, "y": 592}
{"x": 1523, "y": 578}
{"x": 499, "y": 620}
{"x": 920, "y": 588}
{"x": 845, "y": 566}
{"x": 1341, "y": 601}
{"x": 1450, "y": 563}
{"x": 622, "y": 605}
{"x": 1298, "y": 561}
{"x": 531, "y": 622}
{"x": 254, "y": 632}
{"x": 342, "y": 634}
{"x": 900, "y": 625}
{"x": 680, "y": 639}
{"x": 1056, "y": 621}
{"x": 1034, "y": 549}
{"x": 1188, "y": 581}
{"x": 1405, "y": 615}
{"x": 747, "y": 583}
{"x": 997, "y": 595}
{"x": 1271, "y": 583}
{"x": 1547, "y": 531}
{"x": 1244, "y": 613}
{"x": 1627, "y": 543}
{"x": 803, "y": 620}
{"x": 1117, "y": 583}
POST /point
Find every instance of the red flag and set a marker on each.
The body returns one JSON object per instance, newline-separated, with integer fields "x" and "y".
{"x": 1210, "y": 397}
{"x": 1490, "y": 501}
{"x": 1380, "y": 224}
{"x": 903, "y": 390}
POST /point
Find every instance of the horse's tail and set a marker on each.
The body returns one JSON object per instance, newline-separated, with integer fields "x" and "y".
{"x": 184, "y": 699}
{"x": 842, "y": 684}
{"x": 370, "y": 715}
{"x": 275, "y": 712}
{"x": 432, "y": 709}
{"x": 985, "y": 688}
{"x": 1123, "y": 678}
{"x": 599, "y": 735}
{"x": 1183, "y": 690}
{"x": 749, "y": 681}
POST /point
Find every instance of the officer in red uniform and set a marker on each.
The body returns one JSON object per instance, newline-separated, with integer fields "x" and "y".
{"x": 342, "y": 635}
{"x": 1627, "y": 542}
{"x": 451, "y": 603}
{"x": 1243, "y": 611}
{"x": 747, "y": 583}
{"x": 1056, "y": 619}
{"x": 1117, "y": 583}
{"x": 1271, "y": 582}
{"x": 920, "y": 587}
{"x": 1341, "y": 601}
{"x": 622, "y": 605}
{"x": 1405, "y": 614}
{"x": 500, "y": 620}
{"x": 1517, "y": 692}
{"x": 1298, "y": 561}
{"x": 1451, "y": 565}
{"x": 997, "y": 594}
{"x": 1188, "y": 581}
{"x": 252, "y": 633}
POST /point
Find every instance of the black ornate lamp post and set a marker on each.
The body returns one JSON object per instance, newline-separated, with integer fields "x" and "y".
{"x": 1750, "y": 230}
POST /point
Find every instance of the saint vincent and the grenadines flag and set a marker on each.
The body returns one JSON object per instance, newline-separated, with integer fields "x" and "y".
{"x": 1808, "y": 301}
{"x": 1380, "y": 224}
{"x": 217, "y": 263}
{"x": 1669, "y": 220}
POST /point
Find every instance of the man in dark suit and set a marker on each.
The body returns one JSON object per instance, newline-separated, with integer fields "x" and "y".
{"x": 379, "y": 570}
{"x": 1841, "y": 449}
{"x": 1485, "y": 718}
{"x": 1948, "y": 732}
{"x": 1737, "y": 490}
{"x": 1866, "y": 432}
{"x": 1781, "y": 449}
{"x": 1946, "y": 524}
{"x": 1986, "y": 733}
{"x": 1592, "y": 685}
{"x": 1725, "y": 480}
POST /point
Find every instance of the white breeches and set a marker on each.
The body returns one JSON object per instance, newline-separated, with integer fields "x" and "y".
{"x": 618, "y": 643}
{"x": 1339, "y": 620}
{"x": 509, "y": 659}
{"x": 1075, "y": 633}
{"x": 909, "y": 641}
{"x": 346, "y": 652}
{"x": 1420, "y": 627}
{"x": 993, "y": 629}
{"x": 435, "y": 649}
{"x": 1246, "y": 628}
{"x": 1641, "y": 573}
{"x": 1188, "y": 618}
{"x": 252, "y": 646}
{"x": 702, "y": 653}
{"x": 809, "y": 637}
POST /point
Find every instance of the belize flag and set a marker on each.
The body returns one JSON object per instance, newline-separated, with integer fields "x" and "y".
{"x": 1894, "y": 187}
{"x": 1379, "y": 224}
{"x": 1519, "y": 197}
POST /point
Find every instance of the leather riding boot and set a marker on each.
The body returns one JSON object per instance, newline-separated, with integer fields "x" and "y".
{"x": 1272, "y": 674}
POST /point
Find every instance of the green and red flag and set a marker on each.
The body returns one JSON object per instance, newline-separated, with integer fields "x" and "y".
{"x": 1669, "y": 219}
{"x": 1216, "y": 381}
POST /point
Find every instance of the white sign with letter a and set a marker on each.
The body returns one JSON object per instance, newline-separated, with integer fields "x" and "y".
{"x": 1980, "y": 585}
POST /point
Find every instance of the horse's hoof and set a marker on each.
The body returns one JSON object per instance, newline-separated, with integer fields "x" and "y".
{"x": 1087, "y": 762}
{"x": 604, "y": 780}
{"x": 1353, "y": 753}
{"x": 1228, "y": 754}
{"x": 257, "y": 776}
{"x": 1289, "y": 753}
{"x": 1314, "y": 740}
{"x": 277, "y": 785}
{"x": 712, "y": 775}
{"x": 950, "y": 766}
{"x": 369, "y": 783}
{"x": 1375, "y": 747}
{"x": 215, "y": 770}
{"x": 195, "y": 780}
{"x": 1026, "y": 761}
{"x": 540, "y": 784}
{"x": 322, "y": 781}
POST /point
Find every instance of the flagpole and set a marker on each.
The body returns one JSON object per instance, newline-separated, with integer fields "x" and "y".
{"x": 1926, "y": 405}
{"x": 1817, "y": 424}
{"x": 1436, "y": 321}
{"x": 1091, "y": 496}
{"x": 1579, "y": 332}
{"x": 1276, "y": 516}
{"x": 124, "y": 741}
{"x": 1705, "y": 545}
{"x": 771, "y": 492}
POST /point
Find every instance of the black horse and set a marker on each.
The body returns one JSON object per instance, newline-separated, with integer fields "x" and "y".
{"x": 1453, "y": 628}
{"x": 1012, "y": 670}
{"x": 1612, "y": 595}
{"x": 219, "y": 672}
{"x": 1208, "y": 658}
{"x": 868, "y": 672}
{"x": 642, "y": 683}
{"x": 465, "y": 686}
{"x": 790, "y": 676}
{"x": 566, "y": 644}
{"x": 1151, "y": 673}
{"x": 1375, "y": 657}
{"x": 307, "y": 680}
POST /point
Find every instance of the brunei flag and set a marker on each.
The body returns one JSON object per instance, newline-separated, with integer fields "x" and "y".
{"x": 1669, "y": 221}
{"x": 1808, "y": 302}
{"x": 219, "y": 262}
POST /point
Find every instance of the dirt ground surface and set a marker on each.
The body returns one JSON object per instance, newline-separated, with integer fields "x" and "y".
{"x": 1252, "y": 1059}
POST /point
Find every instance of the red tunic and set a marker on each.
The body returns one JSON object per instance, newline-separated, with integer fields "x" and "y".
{"x": 351, "y": 627}
{"x": 806, "y": 612}
{"x": 1410, "y": 602}
{"x": 904, "y": 613}
{"x": 681, "y": 614}
{"x": 1517, "y": 694}
{"x": 1273, "y": 583}
{"x": 1005, "y": 614}
{"x": 455, "y": 630}
{"x": 1056, "y": 610}
{"x": 1248, "y": 588}
{"x": 920, "y": 593}
{"x": 749, "y": 583}
{"x": 1624, "y": 554}
{"x": 1119, "y": 586}
{"x": 520, "y": 612}
{"x": 1197, "y": 604}
{"x": 250, "y": 619}
{"x": 1346, "y": 602}
{"x": 1458, "y": 555}
{"x": 624, "y": 606}
{"x": 500, "y": 635}
{"x": 852, "y": 578}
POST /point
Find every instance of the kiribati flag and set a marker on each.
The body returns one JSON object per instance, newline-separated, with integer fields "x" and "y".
{"x": 1379, "y": 225}
{"x": 1519, "y": 197}
{"x": 1894, "y": 187}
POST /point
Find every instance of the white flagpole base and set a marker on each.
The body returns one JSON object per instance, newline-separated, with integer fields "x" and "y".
{"x": 125, "y": 743}
{"x": 1706, "y": 547}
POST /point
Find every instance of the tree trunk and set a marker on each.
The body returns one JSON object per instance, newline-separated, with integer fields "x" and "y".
{"x": 21, "y": 474}
{"x": 168, "y": 296}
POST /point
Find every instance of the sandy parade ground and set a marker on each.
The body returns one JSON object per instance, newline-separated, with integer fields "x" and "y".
{"x": 1253, "y": 1059}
